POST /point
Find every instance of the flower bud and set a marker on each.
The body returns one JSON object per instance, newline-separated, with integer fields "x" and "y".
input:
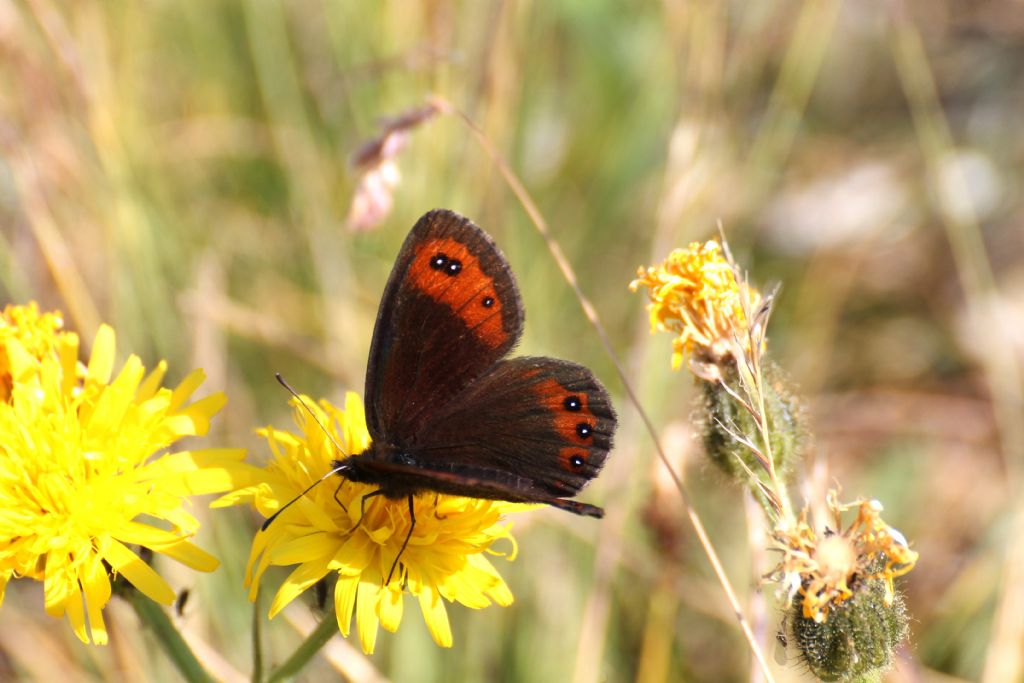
{"x": 725, "y": 418}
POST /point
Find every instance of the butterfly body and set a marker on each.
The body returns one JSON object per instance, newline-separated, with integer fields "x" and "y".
{"x": 446, "y": 410}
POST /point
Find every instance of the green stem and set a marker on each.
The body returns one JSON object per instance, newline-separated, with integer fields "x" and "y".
{"x": 257, "y": 641}
{"x": 316, "y": 640}
{"x": 155, "y": 617}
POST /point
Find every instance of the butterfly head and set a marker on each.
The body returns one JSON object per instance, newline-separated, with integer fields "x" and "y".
{"x": 392, "y": 470}
{"x": 348, "y": 467}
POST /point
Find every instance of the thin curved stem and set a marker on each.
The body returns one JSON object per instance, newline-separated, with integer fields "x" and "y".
{"x": 591, "y": 313}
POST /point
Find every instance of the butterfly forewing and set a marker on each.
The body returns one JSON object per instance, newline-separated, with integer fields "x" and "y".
{"x": 450, "y": 310}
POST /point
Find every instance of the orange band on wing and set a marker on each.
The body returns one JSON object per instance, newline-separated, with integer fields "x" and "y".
{"x": 447, "y": 272}
{"x": 572, "y": 419}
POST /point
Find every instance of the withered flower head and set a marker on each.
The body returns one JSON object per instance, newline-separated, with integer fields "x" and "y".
{"x": 695, "y": 295}
{"x": 827, "y": 571}
{"x": 376, "y": 163}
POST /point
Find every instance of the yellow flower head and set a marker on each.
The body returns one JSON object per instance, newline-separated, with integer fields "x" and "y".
{"x": 694, "y": 295}
{"x": 25, "y": 329}
{"x": 826, "y": 571}
{"x": 322, "y": 533}
{"x": 78, "y": 469}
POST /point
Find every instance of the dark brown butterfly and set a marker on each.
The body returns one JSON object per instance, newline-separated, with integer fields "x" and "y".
{"x": 446, "y": 410}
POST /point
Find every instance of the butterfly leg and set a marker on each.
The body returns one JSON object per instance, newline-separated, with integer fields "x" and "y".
{"x": 412, "y": 525}
{"x": 362, "y": 506}
{"x": 338, "y": 500}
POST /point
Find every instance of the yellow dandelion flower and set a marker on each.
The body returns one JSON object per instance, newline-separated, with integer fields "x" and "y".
{"x": 23, "y": 329}
{"x": 826, "y": 571}
{"x": 81, "y": 481}
{"x": 694, "y": 295}
{"x": 327, "y": 532}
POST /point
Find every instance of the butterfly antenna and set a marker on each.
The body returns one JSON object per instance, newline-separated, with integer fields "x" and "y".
{"x": 330, "y": 436}
{"x": 284, "y": 383}
{"x": 287, "y": 505}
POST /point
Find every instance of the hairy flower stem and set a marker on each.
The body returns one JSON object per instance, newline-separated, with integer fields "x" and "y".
{"x": 315, "y": 642}
{"x": 155, "y": 617}
{"x": 754, "y": 433}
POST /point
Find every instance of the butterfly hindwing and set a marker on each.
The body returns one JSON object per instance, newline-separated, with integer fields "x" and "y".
{"x": 450, "y": 310}
{"x": 534, "y": 427}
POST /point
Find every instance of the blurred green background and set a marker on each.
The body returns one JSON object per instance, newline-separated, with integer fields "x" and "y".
{"x": 181, "y": 170}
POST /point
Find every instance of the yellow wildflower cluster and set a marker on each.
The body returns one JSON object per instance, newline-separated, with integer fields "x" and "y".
{"x": 694, "y": 295}
{"x": 79, "y": 470}
{"x": 338, "y": 529}
{"x": 826, "y": 571}
{"x": 37, "y": 334}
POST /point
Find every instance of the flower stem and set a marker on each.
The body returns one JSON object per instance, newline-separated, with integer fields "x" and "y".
{"x": 155, "y": 617}
{"x": 316, "y": 640}
{"x": 257, "y": 641}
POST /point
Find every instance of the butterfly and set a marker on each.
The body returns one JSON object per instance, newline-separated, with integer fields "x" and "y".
{"x": 448, "y": 412}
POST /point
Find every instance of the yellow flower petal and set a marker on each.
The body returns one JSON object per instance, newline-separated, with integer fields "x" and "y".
{"x": 389, "y": 609}
{"x": 354, "y": 555}
{"x": 68, "y": 352}
{"x": 189, "y": 554}
{"x": 113, "y": 403}
{"x": 304, "y": 576}
{"x": 59, "y": 585}
{"x": 152, "y": 383}
{"x": 96, "y": 585}
{"x": 259, "y": 559}
{"x": 366, "y": 615}
{"x": 355, "y": 434}
{"x": 74, "y": 609}
{"x": 436, "y": 617}
{"x": 138, "y": 573}
{"x": 300, "y": 549}
{"x": 345, "y": 601}
{"x": 191, "y": 473}
{"x": 195, "y": 419}
{"x": 186, "y": 388}
{"x": 101, "y": 362}
{"x": 21, "y": 363}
